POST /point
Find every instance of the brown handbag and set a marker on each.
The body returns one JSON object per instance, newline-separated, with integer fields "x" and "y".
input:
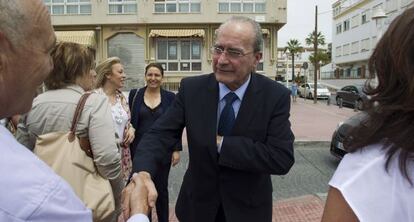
{"x": 70, "y": 158}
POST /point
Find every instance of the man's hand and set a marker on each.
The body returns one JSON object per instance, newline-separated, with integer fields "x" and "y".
{"x": 175, "y": 159}
{"x": 139, "y": 195}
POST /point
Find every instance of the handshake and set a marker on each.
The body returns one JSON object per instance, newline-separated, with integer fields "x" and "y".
{"x": 139, "y": 196}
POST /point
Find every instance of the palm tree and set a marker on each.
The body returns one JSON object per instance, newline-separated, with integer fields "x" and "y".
{"x": 293, "y": 46}
{"x": 316, "y": 38}
{"x": 322, "y": 56}
{"x": 310, "y": 40}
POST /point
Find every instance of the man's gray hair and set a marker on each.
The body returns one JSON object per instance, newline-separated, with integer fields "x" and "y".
{"x": 258, "y": 43}
{"x": 12, "y": 20}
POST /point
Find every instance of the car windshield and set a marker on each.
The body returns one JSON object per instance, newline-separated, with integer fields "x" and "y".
{"x": 318, "y": 85}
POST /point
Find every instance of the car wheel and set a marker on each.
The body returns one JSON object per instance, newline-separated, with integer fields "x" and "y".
{"x": 359, "y": 104}
{"x": 339, "y": 101}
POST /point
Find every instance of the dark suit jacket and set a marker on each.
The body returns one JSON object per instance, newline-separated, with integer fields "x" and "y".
{"x": 239, "y": 178}
{"x": 167, "y": 98}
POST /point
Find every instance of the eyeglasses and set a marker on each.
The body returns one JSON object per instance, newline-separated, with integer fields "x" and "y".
{"x": 231, "y": 53}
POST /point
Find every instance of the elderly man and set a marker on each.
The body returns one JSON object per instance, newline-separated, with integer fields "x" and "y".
{"x": 30, "y": 190}
{"x": 238, "y": 131}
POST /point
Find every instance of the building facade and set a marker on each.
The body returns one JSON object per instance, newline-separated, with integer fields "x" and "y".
{"x": 356, "y": 30}
{"x": 176, "y": 33}
{"x": 284, "y": 65}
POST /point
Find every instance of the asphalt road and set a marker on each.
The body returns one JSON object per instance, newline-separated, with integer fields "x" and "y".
{"x": 310, "y": 174}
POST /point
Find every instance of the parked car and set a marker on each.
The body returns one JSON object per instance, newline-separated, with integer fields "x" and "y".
{"x": 341, "y": 132}
{"x": 351, "y": 95}
{"x": 306, "y": 90}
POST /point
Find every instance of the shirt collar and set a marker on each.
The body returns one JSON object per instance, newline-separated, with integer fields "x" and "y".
{"x": 223, "y": 89}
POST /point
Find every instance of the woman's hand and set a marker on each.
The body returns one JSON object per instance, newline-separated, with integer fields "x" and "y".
{"x": 175, "y": 159}
{"x": 129, "y": 135}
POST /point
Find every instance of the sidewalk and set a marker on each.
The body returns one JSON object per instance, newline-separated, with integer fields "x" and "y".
{"x": 307, "y": 208}
{"x": 311, "y": 123}
{"x": 316, "y": 122}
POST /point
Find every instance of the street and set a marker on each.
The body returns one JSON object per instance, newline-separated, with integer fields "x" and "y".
{"x": 310, "y": 174}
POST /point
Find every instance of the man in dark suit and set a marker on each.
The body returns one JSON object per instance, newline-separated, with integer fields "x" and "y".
{"x": 238, "y": 133}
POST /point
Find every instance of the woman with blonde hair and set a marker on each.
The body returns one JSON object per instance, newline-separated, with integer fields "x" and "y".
{"x": 52, "y": 111}
{"x": 110, "y": 80}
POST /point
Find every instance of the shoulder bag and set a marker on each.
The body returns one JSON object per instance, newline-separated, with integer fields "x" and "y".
{"x": 63, "y": 152}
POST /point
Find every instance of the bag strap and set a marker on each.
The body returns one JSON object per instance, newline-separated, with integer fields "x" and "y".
{"x": 133, "y": 102}
{"x": 77, "y": 114}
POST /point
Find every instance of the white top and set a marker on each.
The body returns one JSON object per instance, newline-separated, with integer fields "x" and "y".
{"x": 120, "y": 118}
{"x": 373, "y": 193}
{"x": 31, "y": 191}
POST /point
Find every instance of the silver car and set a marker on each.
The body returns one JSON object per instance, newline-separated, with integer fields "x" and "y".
{"x": 307, "y": 90}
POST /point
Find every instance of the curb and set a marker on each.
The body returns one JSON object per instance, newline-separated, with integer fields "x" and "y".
{"x": 311, "y": 144}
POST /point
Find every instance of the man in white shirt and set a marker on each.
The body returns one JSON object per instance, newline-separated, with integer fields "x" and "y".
{"x": 30, "y": 190}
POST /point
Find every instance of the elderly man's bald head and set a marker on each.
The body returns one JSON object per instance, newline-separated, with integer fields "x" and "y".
{"x": 26, "y": 39}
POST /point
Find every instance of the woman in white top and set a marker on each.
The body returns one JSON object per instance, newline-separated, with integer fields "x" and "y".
{"x": 110, "y": 79}
{"x": 375, "y": 181}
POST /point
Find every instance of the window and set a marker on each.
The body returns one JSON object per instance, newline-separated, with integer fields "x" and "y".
{"x": 374, "y": 42}
{"x": 339, "y": 28}
{"x": 338, "y": 51}
{"x": 346, "y": 25}
{"x": 179, "y": 55}
{"x": 355, "y": 47}
{"x": 365, "y": 45}
{"x": 122, "y": 6}
{"x": 337, "y": 11}
{"x": 355, "y": 21}
{"x": 69, "y": 7}
{"x": 365, "y": 17}
{"x": 405, "y": 3}
{"x": 391, "y": 5}
{"x": 180, "y": 6}
{"x": 242, "y": 6}
{"x": 345, "y": 49}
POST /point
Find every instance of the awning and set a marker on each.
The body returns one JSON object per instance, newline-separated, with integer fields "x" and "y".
{"x": 264, "y": 31}
{"x": 177, "y": 33}
{"x": 80, "y": 37}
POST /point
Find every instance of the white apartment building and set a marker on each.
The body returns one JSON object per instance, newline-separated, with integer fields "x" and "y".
{"x": 356, "y": 32}
{"x": 176, "y": 33}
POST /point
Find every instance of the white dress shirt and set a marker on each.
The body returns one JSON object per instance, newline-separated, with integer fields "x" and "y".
{"x": 31, "y": 191}
{"x": 223, "y": 91}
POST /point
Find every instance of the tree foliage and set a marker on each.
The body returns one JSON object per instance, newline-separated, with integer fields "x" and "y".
{"x": 310, "y": 40}
{"x": 294, "y": 48}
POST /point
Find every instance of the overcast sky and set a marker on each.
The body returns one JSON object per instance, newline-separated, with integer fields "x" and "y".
{"x": 301, "y": 20}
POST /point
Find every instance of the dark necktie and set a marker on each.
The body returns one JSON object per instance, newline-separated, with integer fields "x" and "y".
{"x": 227, "y": 117}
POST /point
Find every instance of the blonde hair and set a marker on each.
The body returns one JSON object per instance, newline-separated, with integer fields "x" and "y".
{"x": 104, "y": 68}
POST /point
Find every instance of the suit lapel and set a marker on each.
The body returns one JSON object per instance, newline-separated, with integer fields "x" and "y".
{"x": 211, "y": 101}
{"x": 248, "y": 106}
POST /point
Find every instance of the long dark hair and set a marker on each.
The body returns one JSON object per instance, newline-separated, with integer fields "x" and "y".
{"x": 390, "y": 110}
